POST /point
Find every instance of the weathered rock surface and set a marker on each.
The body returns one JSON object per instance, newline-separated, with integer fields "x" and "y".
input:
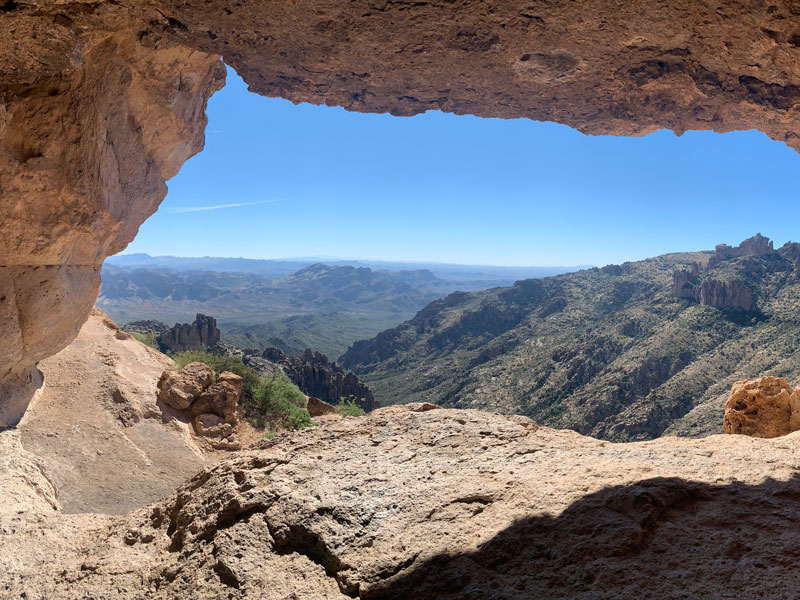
{"x": 93, "y": 119}
{"x": 221, "y": 398}
{"x": 317, "y": 408}
{"x": 317, "y": 376}
{"x": 95, "y": 424}
{"x": 766, "y": 407}
{"x": 211, "y": 425}
{"x": 181, "y": 388}
{"x": 197, "y": 335}
{"x": 448, "y": 504}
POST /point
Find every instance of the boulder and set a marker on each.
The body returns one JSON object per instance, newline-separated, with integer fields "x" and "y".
{"x": 211, "y": 425}
{"x": 317, "y": 408}
{"x": 180, "y": 388}
{"x": 766, "y": 407}
{"x": 221, "y": 398}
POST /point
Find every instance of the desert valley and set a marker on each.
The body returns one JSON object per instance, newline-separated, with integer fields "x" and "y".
{"x": 185, "y": 416}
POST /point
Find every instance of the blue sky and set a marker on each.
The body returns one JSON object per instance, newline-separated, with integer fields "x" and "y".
{"x": 277, "y": 180}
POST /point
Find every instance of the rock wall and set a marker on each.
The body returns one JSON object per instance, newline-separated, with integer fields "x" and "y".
{"x": 317, "y": 376}
{"x": 200, "y": 334}
{"x": 100, "y": 102}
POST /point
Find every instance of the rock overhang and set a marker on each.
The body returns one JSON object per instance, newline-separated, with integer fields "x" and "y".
{"x": 100, "y": 103}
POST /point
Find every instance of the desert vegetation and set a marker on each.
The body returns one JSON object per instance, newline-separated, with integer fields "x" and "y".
{"x": 270, "y": 401}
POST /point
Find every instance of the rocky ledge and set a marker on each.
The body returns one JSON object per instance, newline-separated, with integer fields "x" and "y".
{"x": 422, "y": 502}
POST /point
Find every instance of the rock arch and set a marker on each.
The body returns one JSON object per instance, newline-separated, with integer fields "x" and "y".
{"x": 101, "y": 102}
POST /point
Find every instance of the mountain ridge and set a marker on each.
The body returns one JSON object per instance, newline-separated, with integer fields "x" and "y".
{"x": 609, "y": 352}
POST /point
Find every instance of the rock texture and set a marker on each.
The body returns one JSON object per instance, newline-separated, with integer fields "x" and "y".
{"x": 766, "y": 407}
{"x": 180, "y": 388}
{"x": 106, "y": 444}
{"x": 221, "y": 398}
{"x": 200, "y": 334}
{"x": 94, "y": 117}
{"x": 317, "y": 376}
{"x": 318, "y": 408}
{"x": 449, "y": 504}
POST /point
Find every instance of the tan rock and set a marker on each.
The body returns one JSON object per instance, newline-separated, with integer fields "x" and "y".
{"x": 181, "y": 388}
{"x": 221, "y": 398}
{"x": 317, "y": 408}
{"x": 760, "y": 408}
{"x": 437, "y": 504}
{"x": 211, "y": 425}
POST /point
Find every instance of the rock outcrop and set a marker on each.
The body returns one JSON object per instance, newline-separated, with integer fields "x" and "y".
{"x": 198, "y": 335}
{"x": 700, "y": 284}
{"x": 181, "y": 388}
{"x": 450, "y": 504}
{"x": 317, "y": 376}
{"x": 758, "y": 245}
{"x": 221, "y": 398}
{"x": 725, "y": 294}
{"x": 766, "y": 407}
{"x": 318, "y": 408}
{"x": 213, "y": 403}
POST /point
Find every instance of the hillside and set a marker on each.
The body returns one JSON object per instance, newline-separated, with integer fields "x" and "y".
{"x": 626, "y": 352}
{"x": 319, "y": 306}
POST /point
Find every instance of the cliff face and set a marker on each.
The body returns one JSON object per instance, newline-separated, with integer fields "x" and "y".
{"x": 317, "y": 376}
{"x": 197, "y": 335}
{"x": 100, "y": 103}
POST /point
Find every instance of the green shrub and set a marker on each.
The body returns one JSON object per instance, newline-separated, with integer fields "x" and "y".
{"x": 268, "y": 400}
{"x": 349, "y": 407}
{"x": 148, "y": 339}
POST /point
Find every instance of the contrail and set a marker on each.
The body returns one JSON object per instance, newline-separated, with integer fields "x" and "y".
{"x": 187, "y": 209}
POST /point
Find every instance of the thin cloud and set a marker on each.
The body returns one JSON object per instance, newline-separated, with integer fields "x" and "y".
{"x": 188, "y": 209}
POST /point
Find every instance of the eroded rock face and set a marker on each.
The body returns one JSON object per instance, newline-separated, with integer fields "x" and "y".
{"x": 93, "y": 119}
{"x": 201, "y": 333}
{"x": 221, "y": 398}
{"x": 445, "y": 504}
{"x": 766, "y": 407}
{"x": 181, "y": 388}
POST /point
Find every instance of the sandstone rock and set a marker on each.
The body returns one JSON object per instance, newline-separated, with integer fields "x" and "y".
{"x": 221, "y": 398}
{"x": 181, "y": 388}
{"x": 99, "y": 427}
{"x": 447, "y": 505}
{"x": 229, "y": 442}
{"x": 211, "y": 425}
{"x": 198, "y": 335}
{"x": 765, "y": 407}
{"x": 317, "y": 408}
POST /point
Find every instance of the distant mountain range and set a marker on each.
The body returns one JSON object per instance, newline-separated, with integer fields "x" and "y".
{"x": 625, "y": 352}
{"x": 475, "y": 276}
{"x": 293, "y": 306}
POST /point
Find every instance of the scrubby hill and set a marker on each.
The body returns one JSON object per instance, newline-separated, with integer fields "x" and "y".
{"x": 625, "y": 352}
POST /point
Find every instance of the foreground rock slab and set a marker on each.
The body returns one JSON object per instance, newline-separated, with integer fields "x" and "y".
{"x": 421, "y": 502}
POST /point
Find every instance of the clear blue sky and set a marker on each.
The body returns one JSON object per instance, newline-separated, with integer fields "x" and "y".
{"x": 319, "y": 181}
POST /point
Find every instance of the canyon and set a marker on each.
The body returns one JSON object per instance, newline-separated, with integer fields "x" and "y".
{"x": 101, "y": 103}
